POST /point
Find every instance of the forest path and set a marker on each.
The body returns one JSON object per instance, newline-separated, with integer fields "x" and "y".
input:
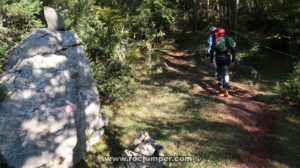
{"x": 180, "y": 105}
{"x": 242, "y": 107}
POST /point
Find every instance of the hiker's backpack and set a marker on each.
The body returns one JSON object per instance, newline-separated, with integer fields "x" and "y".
{"x": 222, "y": 43}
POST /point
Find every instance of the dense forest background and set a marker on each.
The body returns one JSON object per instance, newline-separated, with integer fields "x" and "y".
{"x": 121, "y": 36}
{"x": 127, "y": 42}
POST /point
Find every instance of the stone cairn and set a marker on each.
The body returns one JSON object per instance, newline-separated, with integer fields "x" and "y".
{"x": 143, "y": 146}
{"x": 51, "y": 115}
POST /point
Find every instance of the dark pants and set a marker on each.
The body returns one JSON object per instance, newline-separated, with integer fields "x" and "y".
{"x": 223, "y": 63}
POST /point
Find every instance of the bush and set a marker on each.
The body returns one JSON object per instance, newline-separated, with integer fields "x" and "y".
{"x": 289, "y": 90}
{"x": 19, "y": 19}
{"x": 115, "y": 81}
{"x": 254, "y": 58}
{"x": 4, "y": 46}
{"x": 119, "y": 38}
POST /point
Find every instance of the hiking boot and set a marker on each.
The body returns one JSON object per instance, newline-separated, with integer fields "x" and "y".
{"x": 226, "y": 93}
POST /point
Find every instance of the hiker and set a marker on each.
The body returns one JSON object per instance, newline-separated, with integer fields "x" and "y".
{"x": 211, "y": 39}
{"x": 223, "y": 51}
{"x": 211, "y": 43}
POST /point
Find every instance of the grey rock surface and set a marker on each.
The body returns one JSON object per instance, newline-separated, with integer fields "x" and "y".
{"x": 140, "y": 164}
{"x": 51, "y": 115}
{"x": 53, "y": 19}
{"x": 146, "y": 149}
{"x": 143, "y": 153}
{"x": 142, "y": 137}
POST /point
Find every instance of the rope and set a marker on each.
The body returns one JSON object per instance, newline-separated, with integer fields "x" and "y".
{"x": 265, "y": 46}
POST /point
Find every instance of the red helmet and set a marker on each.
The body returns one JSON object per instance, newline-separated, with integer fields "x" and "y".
{"x": 219, "y": 31}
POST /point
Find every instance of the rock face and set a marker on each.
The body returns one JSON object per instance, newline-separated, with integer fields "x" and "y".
{"x": 53, "y": 19}
{"x": 51, "y": 115}
{"x": 143, "y": 147}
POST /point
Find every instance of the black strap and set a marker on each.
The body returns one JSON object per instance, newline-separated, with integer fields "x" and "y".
{"x": 227, "y": 45}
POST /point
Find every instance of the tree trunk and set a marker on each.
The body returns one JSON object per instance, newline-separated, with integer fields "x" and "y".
{"x": 207, "y": 8}
{"x": 236, "y": 19}
{"x": 223, "y": 12}
{"x": 196, "y": 13}
{"x": 218, "y": 9}
{"x": 1, "y": 20}
{"x": 126, "y": 11}
{"x": 228, "y": 13}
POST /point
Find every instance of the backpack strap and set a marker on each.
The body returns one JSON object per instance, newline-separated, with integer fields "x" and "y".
{"x": 227, "y": 46}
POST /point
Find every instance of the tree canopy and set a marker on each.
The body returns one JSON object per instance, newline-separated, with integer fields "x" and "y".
{"x": 121, "y": 34}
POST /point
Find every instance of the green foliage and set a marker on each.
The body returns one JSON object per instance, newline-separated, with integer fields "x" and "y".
{"x": 118, "y": 41}
{"x": 289, "y": 90}
{"x": 3, "y": 93}
{"x": 119, "y": 36}
{"x": 114, "y": 81}
{"x": 242, "y": 72}
{"x": 19, "y": 19}
{"x": 287, "y": 137}
{"x": 101, "y": 30}
{"x": 4, "y": 46}
{"x": 164, "y": 13}
{"x": 278, "y": 20}
{"x": 153, "y": 16}
{"x": 254, "y": 58}
{"x": 22, "y": 16}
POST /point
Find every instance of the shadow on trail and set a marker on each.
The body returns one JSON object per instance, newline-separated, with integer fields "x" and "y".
{"x": 181, "y": 68}
{"x": 206, "y": 137}
{"x": 179, "y": 57}
{"x": 212, "y": 141}
{"x": 249, "y": 125}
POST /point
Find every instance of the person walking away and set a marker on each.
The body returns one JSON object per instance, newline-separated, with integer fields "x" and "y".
{"x": 210, "y": 44}
{"x": 224, "y": 49}
{"x": 211, "y": 39}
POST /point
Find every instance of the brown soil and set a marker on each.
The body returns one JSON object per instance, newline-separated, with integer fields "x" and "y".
{"x": 241, "y": 108}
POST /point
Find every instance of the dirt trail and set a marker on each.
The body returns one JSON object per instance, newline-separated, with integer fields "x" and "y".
{"x": 242, "y": 108}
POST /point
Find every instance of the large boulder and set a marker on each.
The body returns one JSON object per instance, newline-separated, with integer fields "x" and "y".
{"x": 51, "y": 115}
